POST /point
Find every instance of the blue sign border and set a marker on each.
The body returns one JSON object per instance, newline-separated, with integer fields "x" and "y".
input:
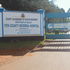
{"x": 41, "y": 22}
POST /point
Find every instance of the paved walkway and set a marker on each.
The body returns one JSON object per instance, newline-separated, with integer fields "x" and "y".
{"x": 55, "y": 55}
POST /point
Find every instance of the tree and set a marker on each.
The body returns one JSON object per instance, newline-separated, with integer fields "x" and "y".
{"x": 30, "y": 5}
{"x": 69, "y": 10}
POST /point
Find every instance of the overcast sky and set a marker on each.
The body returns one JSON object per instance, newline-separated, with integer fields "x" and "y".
{"x": 63, "y": 4}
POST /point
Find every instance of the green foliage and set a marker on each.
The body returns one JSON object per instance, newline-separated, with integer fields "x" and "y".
{"x": 30, "y": 5}
{"x": 16, "y": 45}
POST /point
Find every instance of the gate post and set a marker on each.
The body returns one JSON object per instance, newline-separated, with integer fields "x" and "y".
{"x": 42, "y": 29}
{"x": 1, "y": 22}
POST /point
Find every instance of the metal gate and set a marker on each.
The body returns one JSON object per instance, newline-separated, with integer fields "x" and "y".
{"x": 58, "y": 26}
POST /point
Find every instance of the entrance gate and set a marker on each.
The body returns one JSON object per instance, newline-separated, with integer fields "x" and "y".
{"x": 58, "y": 26}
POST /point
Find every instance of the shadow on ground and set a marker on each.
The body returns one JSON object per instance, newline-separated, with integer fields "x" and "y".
{"x": 51, "y": 50}
{"x": 18, "y": 46}
{"x": 17, "y": 52}
{"x": 57, "y": 45}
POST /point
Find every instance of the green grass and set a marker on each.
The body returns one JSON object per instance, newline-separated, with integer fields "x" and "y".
{"x": 14, "y": 45}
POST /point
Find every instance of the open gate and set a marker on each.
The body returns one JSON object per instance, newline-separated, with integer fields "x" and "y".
{"x": 58, "y": 26}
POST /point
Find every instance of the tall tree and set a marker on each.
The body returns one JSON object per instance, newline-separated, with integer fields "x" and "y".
{"x": 32, "y": 5}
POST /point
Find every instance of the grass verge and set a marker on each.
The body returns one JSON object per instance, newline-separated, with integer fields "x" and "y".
{"x": 17, "y": 45}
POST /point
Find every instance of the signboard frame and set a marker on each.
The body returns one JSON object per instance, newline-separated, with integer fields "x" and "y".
{"x": 41, "y": 23}
{"x": 1, "y": 24}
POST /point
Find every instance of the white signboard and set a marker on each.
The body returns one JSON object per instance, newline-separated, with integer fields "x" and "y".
{"x": 21, "y": 24}
{"x": 58, "y": 25}
{"x": 50, "y": 25}
{"x": 0, "y": 24}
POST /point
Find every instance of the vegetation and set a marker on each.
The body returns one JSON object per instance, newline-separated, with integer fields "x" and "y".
{"x": 23, "y": 44}
{"x": 30, "y": 5}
